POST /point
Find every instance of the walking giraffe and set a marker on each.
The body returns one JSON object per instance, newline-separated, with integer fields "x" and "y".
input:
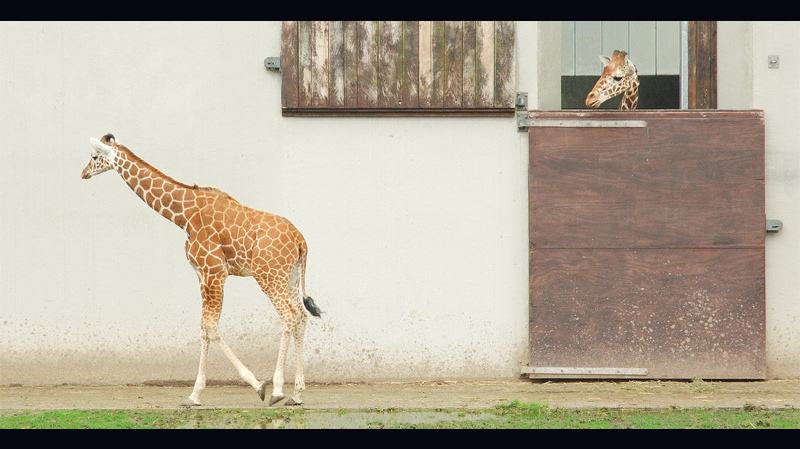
{"x": 619, "y": 77}
{"x": 224, "y": 238}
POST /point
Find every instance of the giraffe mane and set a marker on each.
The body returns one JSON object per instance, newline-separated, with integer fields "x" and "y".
{"x": 158, "y": 172}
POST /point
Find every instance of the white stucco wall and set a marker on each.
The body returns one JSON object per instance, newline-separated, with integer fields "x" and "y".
{"x": 417, "y": 227}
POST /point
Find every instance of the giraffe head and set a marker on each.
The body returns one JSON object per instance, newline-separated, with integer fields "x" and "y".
{"x": 618, "y": 77}
{"x": 103, "y": 156}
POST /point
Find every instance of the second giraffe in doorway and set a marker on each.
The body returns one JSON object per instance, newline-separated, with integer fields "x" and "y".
{"x": 224, "y": 238}
{"x": 619, "y": 77}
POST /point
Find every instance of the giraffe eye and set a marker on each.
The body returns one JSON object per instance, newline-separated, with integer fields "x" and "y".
{"x": 94, "y": 156}
{"x": 617, "y": 78}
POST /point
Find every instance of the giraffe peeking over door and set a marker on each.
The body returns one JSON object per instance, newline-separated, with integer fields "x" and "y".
{"x": 619, "y": 77}
{"x": 224, "y": 238}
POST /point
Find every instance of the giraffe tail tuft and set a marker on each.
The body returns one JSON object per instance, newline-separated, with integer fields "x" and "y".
{"x": 309, "y": 303}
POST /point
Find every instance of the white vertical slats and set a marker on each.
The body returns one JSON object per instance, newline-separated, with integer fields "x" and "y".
{"x": 668, "y": 49}
{"x": 653, "y": 46}
{"x": 588, "y": 47}
{"x": 568, "y": 48}
{"x": 614, "y": 37}
{"x": 642, "y": 43}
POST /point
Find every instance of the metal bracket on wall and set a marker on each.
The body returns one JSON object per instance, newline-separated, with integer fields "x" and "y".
{"x": 774, "y": 225}
{"x": 521, "y": 104}
{"x": 273, "y": 63}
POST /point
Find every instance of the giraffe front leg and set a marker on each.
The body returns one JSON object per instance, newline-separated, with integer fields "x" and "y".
{"x": 200, "y": 383}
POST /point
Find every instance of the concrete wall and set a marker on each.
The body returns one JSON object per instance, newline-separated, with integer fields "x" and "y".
{"x": 417, "y": 227}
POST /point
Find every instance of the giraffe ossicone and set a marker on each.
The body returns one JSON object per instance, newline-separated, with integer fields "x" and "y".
{"x": 224, "y": 238}
{"x": 619, "y": 77}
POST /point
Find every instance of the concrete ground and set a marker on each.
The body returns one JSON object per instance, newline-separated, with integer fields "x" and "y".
{"x": 772, "y": 394}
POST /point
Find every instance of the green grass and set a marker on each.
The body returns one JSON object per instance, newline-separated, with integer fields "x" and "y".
{"x": 539, "y": 416}
{"x": 514, "y": 415}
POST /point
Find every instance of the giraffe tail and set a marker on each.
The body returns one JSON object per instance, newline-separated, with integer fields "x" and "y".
{"x": 312, "y": 308}
{"x": 307, "y": 300}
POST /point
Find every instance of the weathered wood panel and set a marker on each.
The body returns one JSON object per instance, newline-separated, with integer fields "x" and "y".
{"x": 485, "y": 55}
{"x": 390, "y": 60}
{"x": 411, "y": 73}
{"x": 468, "y": 75}
{"x": 289, "y": 60}
{"x": 336, "y": 63}
{"x": 702, "y": 65}
{"x": 367, "y": 64}
{"x": 398, "y": 68}
{"x": 647, "y": 244}
{"x": 453, "y": 65}
{"x": 350, "y": 41}
{"x": 319, "y": 64}
{"x": 305, "y": 54}
{"x": 505, "y": 50}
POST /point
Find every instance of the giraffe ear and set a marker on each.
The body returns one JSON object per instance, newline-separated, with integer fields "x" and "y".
{"x": 605, "y": 60}
{"x": 102, "y": 148}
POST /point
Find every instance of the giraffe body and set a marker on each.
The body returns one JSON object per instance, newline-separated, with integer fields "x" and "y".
{"x": 619, "y": 77}
{"x": 224, "y": 238}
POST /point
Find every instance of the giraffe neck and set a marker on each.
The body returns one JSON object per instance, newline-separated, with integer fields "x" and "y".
{"x": 168, "y": 197}
{"x": 631, "y": 95}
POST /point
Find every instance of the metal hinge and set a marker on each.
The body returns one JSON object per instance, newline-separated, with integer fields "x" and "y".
{"x": 273, "y": 63}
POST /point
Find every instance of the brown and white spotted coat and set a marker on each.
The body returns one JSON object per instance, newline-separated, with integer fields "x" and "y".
{"x": 619, "y": 77}
{"x": 224, "y": 238}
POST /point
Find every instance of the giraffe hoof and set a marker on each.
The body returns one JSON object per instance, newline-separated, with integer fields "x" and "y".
{"x": 292, "y": 402}
{"x": 190, "y": 403}
{"x": 262, "y": 390}
{"x": 275, "y": 399}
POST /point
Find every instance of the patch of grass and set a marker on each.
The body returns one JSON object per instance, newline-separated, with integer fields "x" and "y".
{"x": 538, "y": 416}
{"x": 513, "y": 415}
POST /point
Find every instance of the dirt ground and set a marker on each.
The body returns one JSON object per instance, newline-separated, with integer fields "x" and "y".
{"x": 773, "y": 394}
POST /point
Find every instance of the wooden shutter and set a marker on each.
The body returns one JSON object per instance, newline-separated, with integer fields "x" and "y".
{"x": 397, "y": 68}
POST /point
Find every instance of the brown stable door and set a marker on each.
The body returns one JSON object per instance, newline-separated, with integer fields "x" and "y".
{"x": 647, "y": 244}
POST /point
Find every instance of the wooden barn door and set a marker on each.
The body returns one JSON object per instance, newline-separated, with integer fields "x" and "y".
{"x": 647, "y": 244}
